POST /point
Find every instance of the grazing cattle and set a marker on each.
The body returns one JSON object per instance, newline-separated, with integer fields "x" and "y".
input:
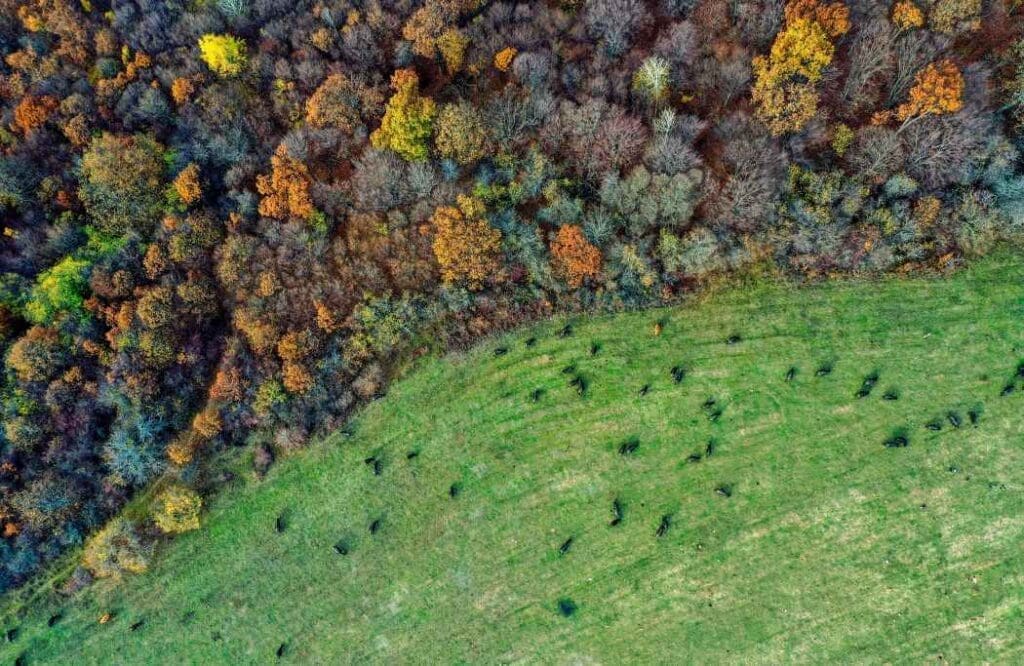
{"x": 566, "y": 331}
{"x": 531, "y": 342}
{"x": 709, "y": 403}
{"x": 645, "y": 389}
{"x": 823, "y": 370}
{"x": 709, "y": 450}
{"x": 135, "y": 626}
{"x": 724, "y": 490}
{"x": 666, "y": 522}
{"x": 791, "y": 374}
{"x": 20, "y": 660}
{"x": 378, "y": 467}
{"x": 693, "y": 458}
{"x": 580, "y": 382}
{"x": 567, "y": 607}
{"x": 501, "y": 351}
{"x": 281, "y": 649}
{"x": 11, "y": 634}
{"x": 935, "y": 425}
{"x": 375, "y": 526}
{"x": 54, "y": 619}
{"x": 629, "y": 446}
{"x": 1007, "y": 390}
{"x": 974, "y": 415}
{"x": 536, "y": 395}
{"x": 897, "y": 442}
{"x": 867, "y": 385}
{"x": 594, "y": 349}
{"x": 891, "y": 394}
{"x": 617, "y": 511}
{"x": 569, "y": 369}
{"x": 454, "y": 490}
{"x": 412, "y": 455}
{"x": 954, "y": 419}
{"x": 341, "y": 548}
{"x": 715, "y": 415}
{"x": 280, "y": 524}
{"x": 1020, "y": 370}
{"x": 733, "y": 339}
{"x": 565, "y": 547}
{"x": 678, "y": 373}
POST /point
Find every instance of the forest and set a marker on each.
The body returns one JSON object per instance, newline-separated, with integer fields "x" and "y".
{"x": 224, "y": 220}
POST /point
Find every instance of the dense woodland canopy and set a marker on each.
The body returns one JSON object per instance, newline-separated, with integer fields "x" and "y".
{"x": 223, "y": 218}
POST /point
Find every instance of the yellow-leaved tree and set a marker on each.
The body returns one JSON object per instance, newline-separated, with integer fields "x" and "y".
{"x": 408, "y": 119}
{"x": 784, "y": 81}
{"x": 224, "y": 54}
{"x": 466, "y": 246}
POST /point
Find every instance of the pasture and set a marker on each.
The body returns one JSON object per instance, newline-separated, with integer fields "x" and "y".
{"x": 829, "y": 473}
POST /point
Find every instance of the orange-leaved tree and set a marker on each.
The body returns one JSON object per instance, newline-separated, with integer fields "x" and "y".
{"x": 937, "y": 89}
{"x": 574, "y": 257}
{"x": 285, "y": 192}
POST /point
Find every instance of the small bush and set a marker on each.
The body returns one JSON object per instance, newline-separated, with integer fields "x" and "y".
{"x": 177, "y": 510}
{"x": 115, "y": 550}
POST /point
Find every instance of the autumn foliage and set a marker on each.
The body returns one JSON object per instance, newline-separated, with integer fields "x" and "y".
{"x": 574, "y": 257}
{"x": 285, "y": 191}
{"x": 465, "y": 245}
{"x": 408, "y": 120}
{"x": 938, "y": 89}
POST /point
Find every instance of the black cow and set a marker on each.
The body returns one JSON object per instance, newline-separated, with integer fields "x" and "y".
{"x": 567, "y": 607}
{"x": 617, "y": 511}
{"x": 709, "y": 450}
{"x": 823, "y": 370}
{"x": 791, "y": 374}
{"x": 565, "y": 547}
{"x": 594, "y": 349}
{"x": 412, "y": 455}
{"x": 645, "y": 389}
{"x": 666, "y": 522}
{"x": 536, "y": 395}
{"x": 974, "y": 415}
{"x": 733, "y": 339}
{"x": 891, "y": 394}
{"x": 281, "y": 649}
{"x": 54, "y": 619}
{"x": 375, "y": 526}
{"x": 1008, "y": 389}
{"x": 724, "y": 490}
{"x": 897, "y": 442}
{"x": 569, "y": 369}
{"x": 954, "y": 419}
{"x": 531, "y": 342}
{"x": 280, "y": 524}
{"x": 629, "y": 446}
{"x": 501, "y": 351}
{"x": 678, "y": 373}
{"x": 693, "y": 458}
{"x": 935, "y": 425}
{"x": 867, "y": 385}
{"x": 566, "y": 331}
{"x": 341, "y": 548}
{"x": 135, "y": 626}
{"x": 11, "y": 634}
{"x": 454, "y": 490}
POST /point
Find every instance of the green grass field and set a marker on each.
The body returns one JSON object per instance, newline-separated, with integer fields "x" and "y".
{"x": 830, "y": 547}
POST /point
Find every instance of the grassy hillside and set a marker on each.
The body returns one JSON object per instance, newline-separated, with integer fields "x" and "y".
{"x": 800, "y": 537}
